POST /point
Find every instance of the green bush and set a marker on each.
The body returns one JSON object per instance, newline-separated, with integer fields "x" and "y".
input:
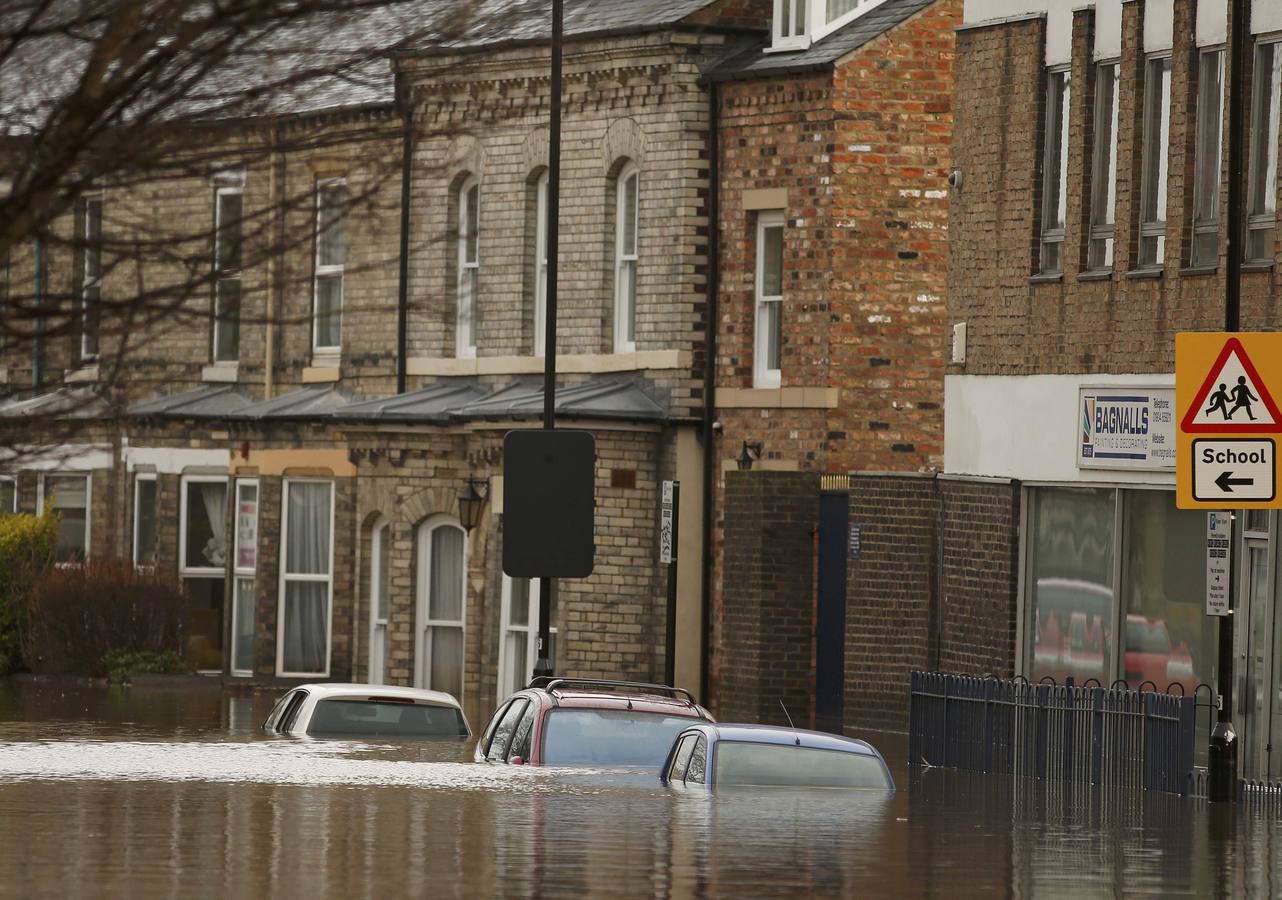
{"x": 26, "y": 552}
{"x": 122, "y": 664}
{"x": 76, "y": 615}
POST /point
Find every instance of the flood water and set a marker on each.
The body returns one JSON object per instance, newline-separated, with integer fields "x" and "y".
{"x": 137, "y": 792}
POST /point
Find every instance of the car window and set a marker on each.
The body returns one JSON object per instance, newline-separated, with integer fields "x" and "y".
{"x": 521, "y": 739}
{"x": 609, "y": 737}
{"x": 488, "y": 735}
{"x": 385, "y": 718}
{"x": 681, "y": 758}
{"x": 506, "y": 727}
{"x": 698, "y": 762}
{"x": 273, "y": 720}
{"x": 740, "y": 762}
{"x": 290, "y": 715}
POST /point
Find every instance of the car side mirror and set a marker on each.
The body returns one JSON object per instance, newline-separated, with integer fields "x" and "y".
{"x": 516, "y": 761}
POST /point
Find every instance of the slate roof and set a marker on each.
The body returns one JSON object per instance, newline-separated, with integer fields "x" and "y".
{"x": 64, "y": 403}
{"x": 433, "y": 404}
{"x": 608, "y": 399}
{"x": 755, "y": 62}
{"x": 211, "y": 401}
{"x": 309, "y": 402}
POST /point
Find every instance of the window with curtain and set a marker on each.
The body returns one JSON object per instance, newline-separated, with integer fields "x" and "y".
{"x": 380, "y": 591}
{"x": 469, "y": 268}
{"x": 331, "y": 258}
{"x": 540, "y": 264}
{"x": 69, "y": 496}
{"x": 307, "y": 577}
{"x": 245, "y": 567}
{"x": 1263, "y": 147}
{"x": 1055, "y": 170}
{"x": 202, "y": 565}
{"x": 228, "y": 205}
{"x": 1155, "y": 161}
{"x": 768, "y": 342}
{"x": 1207, "y": 156}
{"x": 444, "y": 546}
{"x": 145, "y": 520}
{"x": 1104, "y": 168}
{"x": 625, "y": 259}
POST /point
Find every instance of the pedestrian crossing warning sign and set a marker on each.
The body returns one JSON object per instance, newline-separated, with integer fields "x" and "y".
{"x": 1233, "y": 398}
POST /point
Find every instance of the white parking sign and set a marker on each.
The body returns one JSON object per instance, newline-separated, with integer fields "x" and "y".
{"x": 1234, "y": 469}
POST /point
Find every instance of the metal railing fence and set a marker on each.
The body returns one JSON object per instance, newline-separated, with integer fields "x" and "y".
{"x": 1053, "y": 732}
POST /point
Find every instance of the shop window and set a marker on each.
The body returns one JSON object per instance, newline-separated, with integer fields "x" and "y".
{"x": 145, "y": 520}
{"x": 521, "y": 633}
{"x": 245, "y": 566}
{"x": 626, "y": 258}
{"x": 228, "y": 208}
{"x": 469, "y": 267}
{"x": 306, "y": 578}
{"x": 69, "y": 496}
{"x": 442, "y": 589}
{"x": 767, "y": 345}
{"x": 1055, "y": 171}
{"x": 1206, "y": 166}
{"x": 202, "y": 554}
{"x": 1262, "y": 198}
{"x": 1155, "y": 162}
{"x": 1104, "y": 169}
{"x": 331, "y": 259}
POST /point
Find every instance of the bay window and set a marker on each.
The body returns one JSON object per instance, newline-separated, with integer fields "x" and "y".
{"x": 202, "y": 561}
{"x": 244, "y": 567}
{"x": 306, "y": 589}
{"x": 441, "y": 592}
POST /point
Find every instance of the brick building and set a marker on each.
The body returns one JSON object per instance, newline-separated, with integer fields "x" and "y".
{"x": 1088, "y": 230}
{"x": 272, "y": 445}
{"x": 833, "y": 155}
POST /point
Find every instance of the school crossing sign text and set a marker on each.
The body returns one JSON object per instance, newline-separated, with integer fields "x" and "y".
{"x": 1226, "y": 454}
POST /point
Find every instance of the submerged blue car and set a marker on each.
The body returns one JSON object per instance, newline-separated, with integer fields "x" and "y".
{"x": 710, "y": 755}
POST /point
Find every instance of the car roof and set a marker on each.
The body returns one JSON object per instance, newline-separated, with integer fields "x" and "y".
{"x": 800, "y": 737}
{"x": 330, "y": 691}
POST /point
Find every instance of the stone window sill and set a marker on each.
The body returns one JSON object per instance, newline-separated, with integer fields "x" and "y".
{"x": 1198, "y": 270}
{"x": 1257, "y": 267}
{"x": 83, "y": 375}
{"x": 220, "y": 373}
{"x": 577, "y": 363}
{"x": 1047, "y": 278}
{"x": 322, "y": 371}
{"x": 1096, "y": 275}
{"x": 1140, "y": 274}
{"x": 778, "y": 398}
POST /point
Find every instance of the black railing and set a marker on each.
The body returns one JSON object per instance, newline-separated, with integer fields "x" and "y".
{"x": 1085, "y": 734}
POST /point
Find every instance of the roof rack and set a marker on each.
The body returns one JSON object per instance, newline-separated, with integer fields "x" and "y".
{"x": 552, "y": 684}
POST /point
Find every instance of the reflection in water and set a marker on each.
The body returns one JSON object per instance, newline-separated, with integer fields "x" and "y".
{"x": 144, "y": 794}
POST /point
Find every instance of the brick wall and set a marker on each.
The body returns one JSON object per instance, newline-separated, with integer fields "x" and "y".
{"x": 767, "y": 618}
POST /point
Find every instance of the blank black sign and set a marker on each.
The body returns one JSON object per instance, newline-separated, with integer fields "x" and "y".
{"x": 549, "y": 503}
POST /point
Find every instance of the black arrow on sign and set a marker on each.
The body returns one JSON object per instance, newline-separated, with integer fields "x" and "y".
{"x": 1225, "y": 483}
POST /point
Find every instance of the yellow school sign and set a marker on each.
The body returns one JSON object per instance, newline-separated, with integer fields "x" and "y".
{"x": 1229, "y": 424}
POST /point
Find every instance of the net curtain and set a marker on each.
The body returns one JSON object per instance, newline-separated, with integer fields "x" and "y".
{"x": 306, "y": 637}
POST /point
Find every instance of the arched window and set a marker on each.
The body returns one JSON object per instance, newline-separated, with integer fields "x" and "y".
{"x": 625, "y": 259}
{"x": 469, "y": 267}
{"x": 540, "y": 264}
{"x": 380, "y": 591}
{"x": 442, "y": 581}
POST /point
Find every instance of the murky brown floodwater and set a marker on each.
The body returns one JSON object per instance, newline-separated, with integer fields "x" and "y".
{"x": 132, "y": 792}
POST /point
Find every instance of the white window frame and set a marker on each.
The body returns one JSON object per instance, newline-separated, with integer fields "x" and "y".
{"x": 328, "y": 271}
{"x": 531, "y": 631}
{"x": 286, "y": 577}
{"x": 1103, "y": 222}
{"x": 91, "y": 281}
{"x": 1154, "y": 229}
{"x": 422, "y": 643}
{"x": 184, "y": 570}
{"x": 222, "y": 275}
{"x": 1208, "y": 138}
{"x": 763, "y": 376}
{"x": 1264, "y": 219}
{"x": 468, "y": 286}
{"x": 11, "y": 480}
{"x": 541, "y": 264}
{"x": 40, "y": 503}
{"x": 625, "y": 307}
{"x": 1058, "y": 125}
{"x": 380, "y": 531}
{"x": 141, "y": 478}
{"x": 817, "y": 24}
{"x": 240, "y": 572}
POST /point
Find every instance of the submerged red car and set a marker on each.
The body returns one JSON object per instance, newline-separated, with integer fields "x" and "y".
{"x": 588, "y": 722}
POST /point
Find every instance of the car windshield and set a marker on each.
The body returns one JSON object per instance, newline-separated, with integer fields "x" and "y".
{"x": 386, "y": 718}
{"x": 740, "y": 762}
{"x": 609, "y": 737}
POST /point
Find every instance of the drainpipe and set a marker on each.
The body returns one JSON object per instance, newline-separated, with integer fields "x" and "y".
{"x": 710, "y": 384}
{"x": 407, "y": 165}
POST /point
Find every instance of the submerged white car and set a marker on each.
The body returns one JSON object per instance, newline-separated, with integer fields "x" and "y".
{"x": 368, "y": 711}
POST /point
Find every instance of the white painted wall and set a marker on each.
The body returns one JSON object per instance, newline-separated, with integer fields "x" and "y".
{"x": 1159, "y": 21}
{"x": 1212, "y": 22}
{"x": 1026, "y": 427}
{"x": 1108, "y": 29}
{"x": 175, "y": 460}
{"x": 1266, "y": 15}
{"x": 66, "y": 458}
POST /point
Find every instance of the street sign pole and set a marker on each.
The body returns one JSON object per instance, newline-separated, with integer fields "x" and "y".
{"x": 670, "y": 526}
{"x": 543, "y": 665}
{"x": 1222, "y": 760}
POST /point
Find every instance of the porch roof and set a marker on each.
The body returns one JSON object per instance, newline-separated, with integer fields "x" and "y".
{"x": 62, "y": 403}
{"x": 210, "y": 401}
{"x": 433, "y": 404}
